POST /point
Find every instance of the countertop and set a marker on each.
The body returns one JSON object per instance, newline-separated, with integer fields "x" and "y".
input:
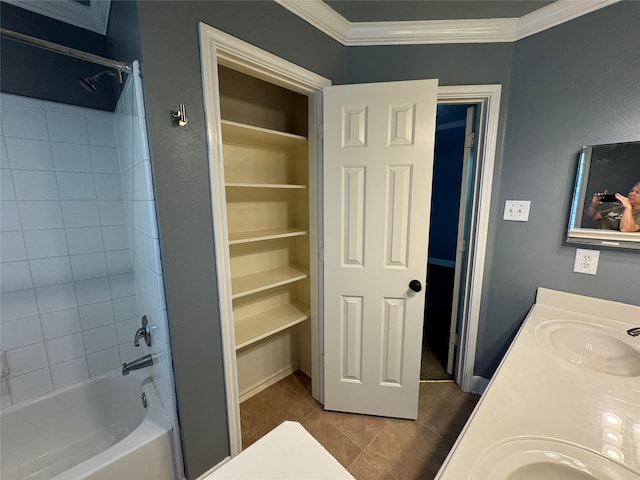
{"x": 536, "y": 395}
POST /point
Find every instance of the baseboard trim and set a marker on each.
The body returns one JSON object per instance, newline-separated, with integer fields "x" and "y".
{"x": 250, "y": 392}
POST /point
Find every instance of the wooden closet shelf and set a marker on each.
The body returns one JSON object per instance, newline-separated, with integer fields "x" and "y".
{"x": 242, "y": 134}
{"x": 260, "y": 235}
{"x": 265, "y": 185}
{"x": 256, "y": 327}
{"x": 258, "y": 282}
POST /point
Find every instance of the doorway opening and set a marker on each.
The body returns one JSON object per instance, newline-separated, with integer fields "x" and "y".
{"x": 448, "y": 235}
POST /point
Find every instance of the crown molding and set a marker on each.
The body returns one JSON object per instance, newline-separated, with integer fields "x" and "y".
{"x": 327, "y": 20}
{"x": 94, "y": 17}
{"x": 556, "y": 13}
{"x": 321, "y": 16}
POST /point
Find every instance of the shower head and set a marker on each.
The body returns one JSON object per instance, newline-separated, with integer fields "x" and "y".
{"x": 90, "y": 83}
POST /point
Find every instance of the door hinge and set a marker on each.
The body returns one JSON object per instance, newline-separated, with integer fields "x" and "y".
{"x": 470, "y": 140}
{"x": 462, "y": 245}
{"x": 454, "y": 339}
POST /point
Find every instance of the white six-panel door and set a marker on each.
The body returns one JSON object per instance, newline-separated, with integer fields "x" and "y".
{"x": 378, "y": 165}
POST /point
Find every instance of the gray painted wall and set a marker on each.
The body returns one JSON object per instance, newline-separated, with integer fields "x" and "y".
{"x": 572, "y": 85}
{"x": 37, "y": 73}
{"x": 171, "y": 74}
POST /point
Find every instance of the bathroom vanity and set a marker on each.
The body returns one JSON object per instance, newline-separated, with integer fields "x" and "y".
{"x": 565, "y": 401}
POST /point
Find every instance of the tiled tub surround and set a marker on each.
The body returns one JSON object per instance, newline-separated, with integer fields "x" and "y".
{"x": 67, "y": 305}
{"x": 538, "y": 396}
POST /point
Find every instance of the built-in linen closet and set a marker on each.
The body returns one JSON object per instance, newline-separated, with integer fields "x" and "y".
{"x": 266, "y": 168}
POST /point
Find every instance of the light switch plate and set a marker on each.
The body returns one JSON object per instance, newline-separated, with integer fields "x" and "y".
{"x": 586, "y": 261}
{"x": 516, "y": 210}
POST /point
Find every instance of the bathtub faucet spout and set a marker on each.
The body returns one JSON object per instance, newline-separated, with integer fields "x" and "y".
{"x": 137, "y": 364}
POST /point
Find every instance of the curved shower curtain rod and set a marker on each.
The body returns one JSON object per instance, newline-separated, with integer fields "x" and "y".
{"x": 71, "y": 52}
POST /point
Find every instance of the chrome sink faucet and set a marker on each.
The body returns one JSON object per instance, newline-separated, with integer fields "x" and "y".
{"x": 634, "y": 332}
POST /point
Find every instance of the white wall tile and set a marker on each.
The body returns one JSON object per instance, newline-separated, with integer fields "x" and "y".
{"x": 119, "y": 262}
{"x": 63, "y": 349}
{"x": 108, "y": 186}
{"x": 51, "y": 271}
{"x": 122, "y": 285}
{"x": 88, "y": 265}
{"x": 96, "y": 315}
{"x": 80, "y": 213}
{"x": 105, "y": 160}
{"x": 56, "y": 297}
{"x": 101, "y": 128}
{"x": 15, "y": 276}
{"x": 69, "y": 157}
{"x": 30, "y": 385}
{"x": 76, "y": 186}
{"x": 17, "y": 305}
{"x": 20, "y": 333}
{"x": 67, "y": 127}
{"x": 45, "y": 243}
{"x": 115, "y": 237}
{"x": 103, "y": 361}
{"x": 129, "y": 353}
{"x": 28, "y": 154}
{"x": 23, "y": 122}
{"x": 92, "y": 291}
{"x": 69, "y": 373}
{"x": 112, "y": 212}
{"x": 7, "y": 191}
{"x": 10, "y": 99}
{"x": 100, "y": 338}
{"x": 4, "y": 156}
{"x": 125, "y": 308}
{"x": 62, "y": 108}
{"x": 84, "y": 240}
{"x": 9, "y": 218}
{"x": 61, "y": 323}
{"x": 35, "y": 185}
{"x": 27, "y": 359}
{"x": 12, "y": 246}
{"x": 140, "y": 143}
{"x": 5, "y": 397}
{"x": 40, "y": 214}
{"x": 126, "y": 330}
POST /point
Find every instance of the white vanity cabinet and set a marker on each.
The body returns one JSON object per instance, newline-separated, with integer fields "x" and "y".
{"x": 563, "y": 402}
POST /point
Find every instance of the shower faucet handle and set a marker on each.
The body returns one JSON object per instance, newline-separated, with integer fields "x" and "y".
{"x": 143, "y": 332}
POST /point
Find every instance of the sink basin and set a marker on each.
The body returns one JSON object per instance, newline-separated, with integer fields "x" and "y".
{"x": 591, "y": 346}
{"x": 536, "y": 458}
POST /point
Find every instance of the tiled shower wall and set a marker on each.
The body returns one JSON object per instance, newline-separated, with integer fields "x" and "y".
{"x": 143, "y": 233}
{"x": 67, "y": 302}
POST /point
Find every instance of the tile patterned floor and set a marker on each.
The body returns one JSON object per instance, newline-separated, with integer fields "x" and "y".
{"x": 370, "y": 448}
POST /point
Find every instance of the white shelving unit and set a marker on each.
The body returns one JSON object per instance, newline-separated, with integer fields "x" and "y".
{"x": 267, "y": 199}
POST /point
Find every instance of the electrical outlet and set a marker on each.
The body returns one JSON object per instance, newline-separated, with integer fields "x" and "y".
{"x": 516, "y": 210}
{"x": 586, "y": 261}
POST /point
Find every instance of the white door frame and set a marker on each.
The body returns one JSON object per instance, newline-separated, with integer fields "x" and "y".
{"x": 487, "y": 97}
{"x": 217, "y": 47}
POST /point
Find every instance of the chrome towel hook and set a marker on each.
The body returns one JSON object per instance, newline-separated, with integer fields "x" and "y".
{"x": 180, "y": 116}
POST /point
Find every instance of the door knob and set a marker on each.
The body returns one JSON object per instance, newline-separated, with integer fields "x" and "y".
{"x": 415, "y": 285}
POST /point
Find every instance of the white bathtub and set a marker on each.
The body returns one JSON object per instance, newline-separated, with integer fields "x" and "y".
{"x": 97, "y": 429}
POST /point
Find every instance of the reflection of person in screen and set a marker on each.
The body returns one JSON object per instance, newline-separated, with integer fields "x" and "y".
{"x": 624, "y": 216}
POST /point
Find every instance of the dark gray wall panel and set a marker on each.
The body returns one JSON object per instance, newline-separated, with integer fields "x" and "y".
{"x": 37, "y": 73}
{"x": 171, "y": 75}
{"x": 572, "y": 85}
